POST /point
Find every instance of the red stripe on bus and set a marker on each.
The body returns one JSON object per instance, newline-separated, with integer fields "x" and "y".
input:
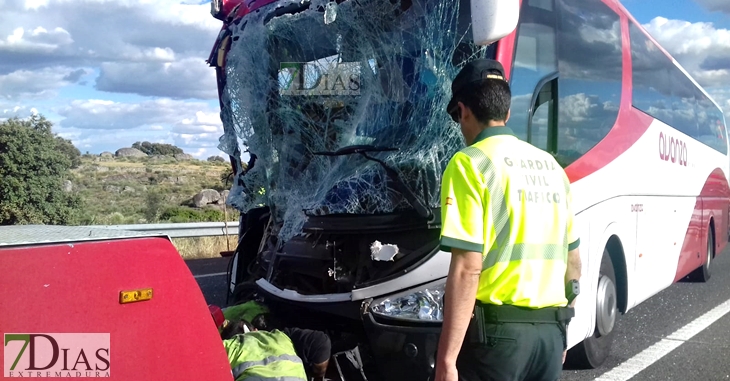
{"x": 506, "y": 50}
{"x": 630, "y": 126}
{"x": 712, "y": 204}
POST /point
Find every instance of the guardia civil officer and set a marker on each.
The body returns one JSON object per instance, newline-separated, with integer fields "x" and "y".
{"x": 507, "y": 220}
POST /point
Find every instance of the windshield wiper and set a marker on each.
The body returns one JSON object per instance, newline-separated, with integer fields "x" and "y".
{"x": 420, "y": 207}
{"x": 349, "y": 150}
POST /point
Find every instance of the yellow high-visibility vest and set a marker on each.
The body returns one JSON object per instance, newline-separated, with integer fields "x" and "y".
{"x": 264, "y": 355}
{"x": 511, "y": 202}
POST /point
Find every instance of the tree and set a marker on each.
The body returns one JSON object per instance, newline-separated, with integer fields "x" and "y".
{"x": 32, "y": 173}
{"x": 157, "y": 148}
{"x": 67, "y": 148}
{"x": 153, "y": 204}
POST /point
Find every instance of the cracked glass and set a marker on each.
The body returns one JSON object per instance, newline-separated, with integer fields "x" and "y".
{"x": 343, "y": 106}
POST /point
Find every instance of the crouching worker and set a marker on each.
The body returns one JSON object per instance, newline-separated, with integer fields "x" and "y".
{"x": 287, "y": 354}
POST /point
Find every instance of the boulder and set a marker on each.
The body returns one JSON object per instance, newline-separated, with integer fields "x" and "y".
{"x": 160, "y": 158}
{"x": 68, "y": 186}
{"x": 130, "y": 152}
{"x": 106, "y": 154}
{"x": 224, "y": 196}
{"x": 184, "y": 156}
{"x": 205, "y": 197}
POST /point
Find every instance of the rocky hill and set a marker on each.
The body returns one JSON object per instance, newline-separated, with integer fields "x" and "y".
{"x": 130, "y": 187}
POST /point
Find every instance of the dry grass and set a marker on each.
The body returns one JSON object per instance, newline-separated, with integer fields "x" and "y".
{"x": 120, "y": 164}
{"x": 204, "y": 247}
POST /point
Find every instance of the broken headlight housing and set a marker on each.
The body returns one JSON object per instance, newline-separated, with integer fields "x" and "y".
{"x": 425, "y": 303}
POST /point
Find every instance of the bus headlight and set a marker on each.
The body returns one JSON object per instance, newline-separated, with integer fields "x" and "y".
{"x": 421, "y": 304}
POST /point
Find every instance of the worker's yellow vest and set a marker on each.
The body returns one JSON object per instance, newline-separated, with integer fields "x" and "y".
{"x": 510, "y": 201}
{"x": 247, "y": 311}
{"x": 264, "y": 355}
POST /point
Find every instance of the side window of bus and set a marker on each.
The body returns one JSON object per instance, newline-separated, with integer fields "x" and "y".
{"x": 590, "y": 64}
{"x": 663, "y": 91}
{"x": 710, "y": 123}
{"x": 535, "y": 59}
{"x": 657, "y": 90}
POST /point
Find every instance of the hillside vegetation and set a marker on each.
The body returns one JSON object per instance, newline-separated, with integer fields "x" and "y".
{"x": 131, "y": 190}
{"x": 46, "y": 180}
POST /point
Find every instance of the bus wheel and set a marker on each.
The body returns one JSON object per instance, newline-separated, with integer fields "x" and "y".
{"x": 594, "y": 350}
{"x": 702, "y": 274}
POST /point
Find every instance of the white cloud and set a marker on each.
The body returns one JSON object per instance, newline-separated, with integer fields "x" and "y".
{"x": 11, "y": 110}
{"x": 108, "y": 115}
{"x": 35, "y": 4}
{"x": 152, "y": 48}
{"x": 91, "y": 32}
{"x": 710, "y": 78}
{"x": 701, "y": 48}
{"x": 37, "y": 40}
{"x": 202, "y": 123}
{"x": 37, "y": 84}
{"x": 156, "y": 54}
{"x": 583, "y": 109}
{"x": 169, "y": 11}
{"x": 105, "y": 125}
{"x": 187, "y": 78}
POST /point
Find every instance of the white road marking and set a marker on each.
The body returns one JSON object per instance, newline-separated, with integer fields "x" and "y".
{"x": 649, "y": 356}
{"x": 209, "y": 275}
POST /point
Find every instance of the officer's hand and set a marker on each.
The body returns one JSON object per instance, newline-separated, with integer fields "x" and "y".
{"x": 564, "y": 354}
{"x": 446, "y": 373}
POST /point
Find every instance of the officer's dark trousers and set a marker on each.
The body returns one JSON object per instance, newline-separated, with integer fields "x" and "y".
{"x": 513, "y": 352}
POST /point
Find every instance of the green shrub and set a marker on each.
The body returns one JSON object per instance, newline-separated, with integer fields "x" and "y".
{"x": 185, "y": 214}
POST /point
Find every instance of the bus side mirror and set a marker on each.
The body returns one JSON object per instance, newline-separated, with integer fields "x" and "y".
{"x": 492, "y": 20}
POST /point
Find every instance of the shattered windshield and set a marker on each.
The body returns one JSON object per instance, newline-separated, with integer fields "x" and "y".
{"x": 306, "y": 79}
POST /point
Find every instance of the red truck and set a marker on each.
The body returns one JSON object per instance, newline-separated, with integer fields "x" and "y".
{"x": 89, "y": 302}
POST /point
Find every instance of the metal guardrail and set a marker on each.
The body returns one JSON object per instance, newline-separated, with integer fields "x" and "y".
{"x": 181, "y": 230}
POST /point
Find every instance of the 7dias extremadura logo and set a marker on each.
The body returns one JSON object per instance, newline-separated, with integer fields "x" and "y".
{"x": 56, "y": 355}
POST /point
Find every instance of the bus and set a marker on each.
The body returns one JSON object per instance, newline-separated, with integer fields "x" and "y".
{"x": 335, "y": 122}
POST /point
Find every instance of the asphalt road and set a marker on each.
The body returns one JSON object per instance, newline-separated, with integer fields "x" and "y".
{"x": 211, "y": 277}
{"x": 702, "y": 357}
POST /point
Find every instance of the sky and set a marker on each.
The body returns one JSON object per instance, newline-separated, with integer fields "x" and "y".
{"x": 109, "y": 73}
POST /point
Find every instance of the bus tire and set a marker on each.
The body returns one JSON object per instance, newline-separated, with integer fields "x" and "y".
{"x": 593, "y": 351}
{"x": 702, "y": 273}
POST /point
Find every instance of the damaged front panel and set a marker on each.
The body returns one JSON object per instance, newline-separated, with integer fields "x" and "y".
{"x": 343, "y": 105}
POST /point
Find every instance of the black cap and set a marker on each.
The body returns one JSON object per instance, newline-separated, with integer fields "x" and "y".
{"x": 473, "y": 72}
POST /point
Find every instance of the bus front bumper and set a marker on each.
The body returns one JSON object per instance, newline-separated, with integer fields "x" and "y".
{"x": 402, "y": 352}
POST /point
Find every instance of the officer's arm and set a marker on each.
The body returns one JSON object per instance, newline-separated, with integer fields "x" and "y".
{"x": 462, "y": 233}
{"x": 573, "y": 270}
{"x": 574, "y": 265}
{"x": 461, "y": 289}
